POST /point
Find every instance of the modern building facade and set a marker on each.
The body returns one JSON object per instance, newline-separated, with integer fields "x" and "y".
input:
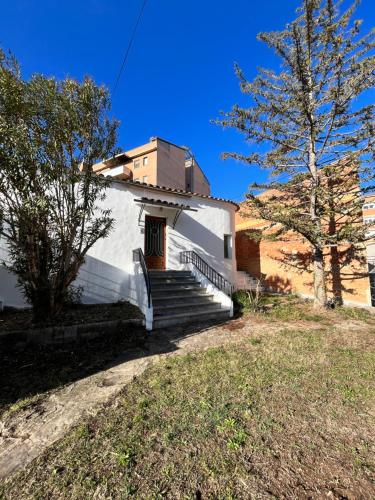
{"x": 159, "y": 162}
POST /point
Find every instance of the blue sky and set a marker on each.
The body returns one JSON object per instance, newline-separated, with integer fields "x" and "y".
{"x": 179, "y": 74}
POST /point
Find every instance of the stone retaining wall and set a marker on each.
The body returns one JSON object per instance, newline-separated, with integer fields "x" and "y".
{"x": 61, "y": 334}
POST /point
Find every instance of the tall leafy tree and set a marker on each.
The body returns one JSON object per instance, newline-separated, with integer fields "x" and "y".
{"x": 308, "y": 128}
{"x": 50, "y": 211}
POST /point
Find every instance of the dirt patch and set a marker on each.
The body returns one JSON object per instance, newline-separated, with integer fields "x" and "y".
{"x": 236, "y": 325}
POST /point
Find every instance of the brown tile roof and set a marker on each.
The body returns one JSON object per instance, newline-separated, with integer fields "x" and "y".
{"x": 164, "y": 203}
{"x": 181, "y": 192}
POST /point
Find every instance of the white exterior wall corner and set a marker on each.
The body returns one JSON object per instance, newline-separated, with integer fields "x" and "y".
{"x": 138, "y": 295}
{"x": 109, "y": 274}
{"x": 10, "y": 293}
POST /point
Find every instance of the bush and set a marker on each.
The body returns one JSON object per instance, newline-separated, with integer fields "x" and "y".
{"x": 248, "y": 300}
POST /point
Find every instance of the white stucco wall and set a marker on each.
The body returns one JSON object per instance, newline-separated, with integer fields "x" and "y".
{"x": 109, "y": 271}
{"x": 370, "y": 247}
{"x": 10, "y": 294}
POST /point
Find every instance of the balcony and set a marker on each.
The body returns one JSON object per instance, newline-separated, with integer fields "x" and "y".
{"x": 119, "y": 172}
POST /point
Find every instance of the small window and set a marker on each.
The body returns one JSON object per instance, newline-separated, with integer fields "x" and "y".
{"x": 145, "y": 160}
{"x": 227, "y": 246}
{"x": 145, "y": 179}
{"x": 137, "y": 163}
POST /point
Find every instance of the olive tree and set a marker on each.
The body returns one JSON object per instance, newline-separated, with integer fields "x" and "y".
{"x": 50, "y": 210}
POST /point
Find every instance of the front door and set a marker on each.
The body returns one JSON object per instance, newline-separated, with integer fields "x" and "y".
{"x": 155, "y": 242}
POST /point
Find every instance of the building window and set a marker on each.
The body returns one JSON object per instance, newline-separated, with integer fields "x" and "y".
{"x": 145, "y": 160}
{"x": 227, "y": 246}
{"x": 371, "y": 229}
{"x": 145, "y": 179}
{"x": 137, "y": 163}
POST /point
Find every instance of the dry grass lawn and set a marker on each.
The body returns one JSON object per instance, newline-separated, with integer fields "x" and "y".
{"x": 285, "y": 413}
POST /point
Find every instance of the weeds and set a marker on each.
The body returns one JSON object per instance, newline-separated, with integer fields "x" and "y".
{"x": 250, "y": 300}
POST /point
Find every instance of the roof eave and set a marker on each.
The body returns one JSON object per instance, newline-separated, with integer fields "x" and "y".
{"x": 179, "y": 192}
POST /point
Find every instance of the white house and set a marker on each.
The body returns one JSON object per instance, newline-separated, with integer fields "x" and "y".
{"x": 171, "y": 253}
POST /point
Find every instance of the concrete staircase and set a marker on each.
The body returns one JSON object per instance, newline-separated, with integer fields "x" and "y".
{"x": 244, "y": 281}
{"x": 178, "y": 298}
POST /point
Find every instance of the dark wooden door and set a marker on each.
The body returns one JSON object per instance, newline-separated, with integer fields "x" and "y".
{"x": 155, "y": 242}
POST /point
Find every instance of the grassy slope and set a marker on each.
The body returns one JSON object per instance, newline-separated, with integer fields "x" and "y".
{"x": 288, "y": 414}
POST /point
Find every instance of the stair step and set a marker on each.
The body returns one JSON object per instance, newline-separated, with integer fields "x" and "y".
{"x": 178, "y": 298}
{"x": 170, "y": 273}
{"x": 173, "y": 281}
{"x": 182, "y": 299}
{"x": 190, "y": 317}
{"x": 175, "y": 287}
{"x": 187, "y": 307}
{"x": 178, "y": 280}
{"x": 172, "y": 294}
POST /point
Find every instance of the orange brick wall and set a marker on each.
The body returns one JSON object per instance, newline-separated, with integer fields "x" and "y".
{"x": 285, "y": 265}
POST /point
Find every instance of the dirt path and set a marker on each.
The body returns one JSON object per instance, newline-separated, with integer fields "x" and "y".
{"x": 34, "y": 429}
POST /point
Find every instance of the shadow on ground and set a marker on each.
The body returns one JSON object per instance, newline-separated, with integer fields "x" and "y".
{"x": 27, "y": 373}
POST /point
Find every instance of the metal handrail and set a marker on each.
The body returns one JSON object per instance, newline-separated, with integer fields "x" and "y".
{"x": 139, "y": 257}
{"x": 209, "y": 272}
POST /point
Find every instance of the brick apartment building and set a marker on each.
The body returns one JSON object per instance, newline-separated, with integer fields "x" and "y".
{"x": 159, "y": 162}
{"x": 284, "y": 265}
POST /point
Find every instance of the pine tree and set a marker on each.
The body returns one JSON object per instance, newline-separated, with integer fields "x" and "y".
{"x": 318, "y": 141}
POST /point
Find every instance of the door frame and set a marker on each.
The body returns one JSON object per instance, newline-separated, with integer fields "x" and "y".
{"x": 164, "y": 239}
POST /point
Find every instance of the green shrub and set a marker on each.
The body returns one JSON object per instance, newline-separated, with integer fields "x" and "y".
{"x": 249, "y": 300}
{"x": 241, "y": 300}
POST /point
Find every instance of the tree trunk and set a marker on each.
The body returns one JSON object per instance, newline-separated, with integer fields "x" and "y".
{"x": 41, "y": 302}
{"x": 50, "y": 295}
{"x": 320, "y": 292}
{"x": 46, "y": 305}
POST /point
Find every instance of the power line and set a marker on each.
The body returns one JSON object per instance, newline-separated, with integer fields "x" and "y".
{"x": 129, "y": 46}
